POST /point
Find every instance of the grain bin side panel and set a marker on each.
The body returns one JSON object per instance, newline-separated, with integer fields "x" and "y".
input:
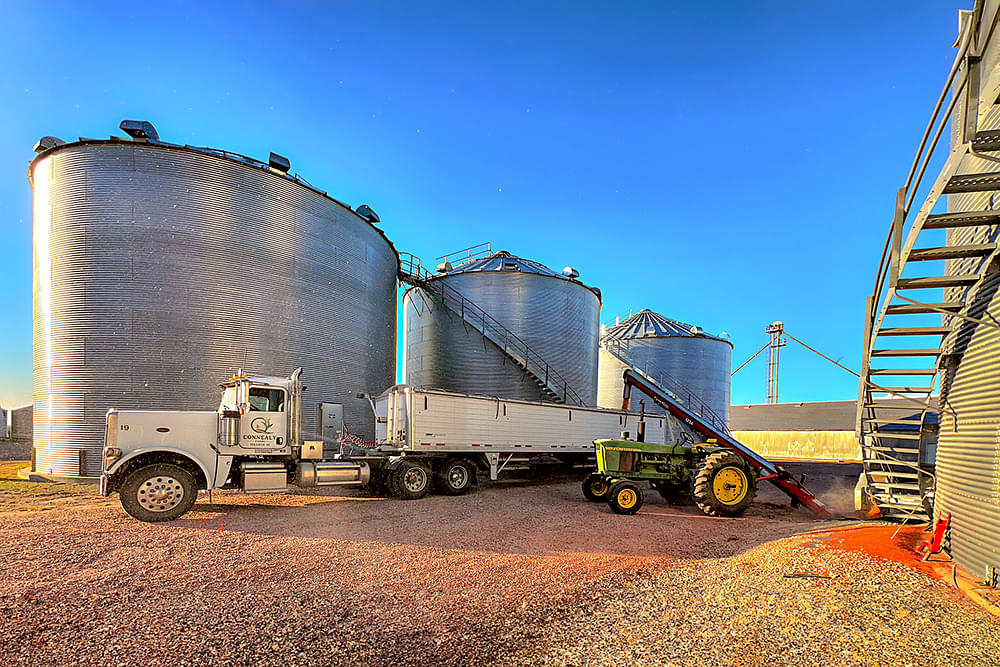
{"x": 158, "y": 271}
{"x": 968, "y": 449}
{"x": 702, "y": 365}
{"x": 558, "y": 319}
{"x": 444, "y": 352}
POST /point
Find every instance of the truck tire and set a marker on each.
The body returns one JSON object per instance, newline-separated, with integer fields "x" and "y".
{"x": 378, "y": 484}
{"x": 456, "y": 475}
{"x": 725, "y": 485}
{"x": 596, "y": 487}
{"x": 410, "y": 481}
{"x": 158, "y": 492}
{"x": 625, "y": 497}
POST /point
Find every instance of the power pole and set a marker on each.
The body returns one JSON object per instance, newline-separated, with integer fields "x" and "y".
{"x": 777, "y": 342}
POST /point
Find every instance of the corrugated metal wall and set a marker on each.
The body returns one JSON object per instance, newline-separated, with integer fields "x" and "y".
{"x": 558, "y": 319}
{"x": 968, "y": 451}
{"x": 159, "y": 271}
{"x": 702, "y": 365}
{"x": 968, "y": 448}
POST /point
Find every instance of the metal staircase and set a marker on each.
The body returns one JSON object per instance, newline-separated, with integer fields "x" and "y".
{"x": 922, "y": 289}
{"x": 534, "y": 367}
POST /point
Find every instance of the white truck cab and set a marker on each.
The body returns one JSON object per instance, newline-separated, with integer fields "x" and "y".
{"x": 157, "y": 460}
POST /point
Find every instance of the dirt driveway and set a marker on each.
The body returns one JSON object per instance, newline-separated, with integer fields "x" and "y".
{"x": 518, "y": 573}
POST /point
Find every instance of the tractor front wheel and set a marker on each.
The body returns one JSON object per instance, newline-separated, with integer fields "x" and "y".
{"x": 596, "y": 487}
{"x": 625, "y": 497}
{"x": 725, "y": 485}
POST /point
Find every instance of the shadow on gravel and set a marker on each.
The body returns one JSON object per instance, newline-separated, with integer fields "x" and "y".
{"x": 535, "y": 517}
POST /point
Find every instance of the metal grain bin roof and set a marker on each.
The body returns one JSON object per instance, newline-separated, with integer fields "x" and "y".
{"x": 504, "y": 262}
{"x": 647, "y": 324}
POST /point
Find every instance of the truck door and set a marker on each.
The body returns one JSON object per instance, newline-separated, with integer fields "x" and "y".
{"x": 263, "y": 425}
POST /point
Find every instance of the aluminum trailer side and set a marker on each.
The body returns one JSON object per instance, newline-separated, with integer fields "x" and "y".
{"x": 498, "y": 432}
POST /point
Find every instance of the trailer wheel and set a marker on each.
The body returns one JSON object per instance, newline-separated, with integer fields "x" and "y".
{"x": 456, "y": 476}
{"x": 159, "y": 492}
{"x": 625, "y": 497}
{"x": 725, "y": 485}
{"x": 596, "y": 487}
{"x": 410, "y": 480}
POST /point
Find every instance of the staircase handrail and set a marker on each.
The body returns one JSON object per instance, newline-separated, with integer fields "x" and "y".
{"x": 412, "y": 272}
{"x": 887, "y": 272}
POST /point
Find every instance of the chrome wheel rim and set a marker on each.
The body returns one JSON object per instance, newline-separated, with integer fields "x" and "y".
{"x": 458, "y": 477}
{"x": 414, "y": 479}
{"x": 160, "y": 494}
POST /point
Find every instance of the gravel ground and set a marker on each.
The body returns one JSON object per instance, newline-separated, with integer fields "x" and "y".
{"x": 517, "y": 573}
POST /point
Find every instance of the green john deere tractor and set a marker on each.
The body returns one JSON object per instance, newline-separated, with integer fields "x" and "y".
{"x": 717, "y": 479}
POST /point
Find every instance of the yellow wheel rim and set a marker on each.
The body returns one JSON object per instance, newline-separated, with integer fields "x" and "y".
{"x": 598, "y": 488}
{"x": 627, "y": 498}
{"x": 730, "y": 485}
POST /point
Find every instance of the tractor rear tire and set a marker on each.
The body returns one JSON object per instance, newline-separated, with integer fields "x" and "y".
{"x": 725, "y": 485}
{"x": 596, "y": 487}
{"x": 625, "y": 497}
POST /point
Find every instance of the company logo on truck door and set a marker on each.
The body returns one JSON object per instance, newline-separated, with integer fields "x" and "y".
{"x": 261, "y": 425}
{"x": 262, "y": 435}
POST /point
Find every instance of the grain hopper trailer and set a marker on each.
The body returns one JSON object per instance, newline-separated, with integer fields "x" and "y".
{"x": 157, "y": 461}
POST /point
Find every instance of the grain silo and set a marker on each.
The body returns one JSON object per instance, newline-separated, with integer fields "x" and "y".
{"x": 658, "y": 345}
{"x": 160, "y": 269}
{"x": 526, "y": 307}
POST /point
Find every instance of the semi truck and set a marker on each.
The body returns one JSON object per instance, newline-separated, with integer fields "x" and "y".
{"x": 158, "y": 460}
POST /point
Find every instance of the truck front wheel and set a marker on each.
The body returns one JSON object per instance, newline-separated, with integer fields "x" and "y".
{"x": 158, "y": 492}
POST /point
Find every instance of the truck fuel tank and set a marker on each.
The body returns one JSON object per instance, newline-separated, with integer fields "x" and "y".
{"x": 329, "y": 473}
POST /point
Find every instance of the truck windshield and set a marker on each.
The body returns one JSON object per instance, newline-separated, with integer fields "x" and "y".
{"x": 267, "y": 400}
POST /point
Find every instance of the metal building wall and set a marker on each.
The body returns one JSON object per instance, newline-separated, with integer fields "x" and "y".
{"x": 968, "y": 446}
{"x": 701, "y": 364}
{"x": 557, "y": 318}
{"x": 968, "y": 449}
{"x": 160, "y": 270}
{"x": 20, "y": 423}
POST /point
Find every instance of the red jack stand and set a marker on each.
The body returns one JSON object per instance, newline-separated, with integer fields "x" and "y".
{"x": 934, "y": 546}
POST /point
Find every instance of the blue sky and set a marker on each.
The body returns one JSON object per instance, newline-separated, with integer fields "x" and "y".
{"x": 726, "y": 164}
